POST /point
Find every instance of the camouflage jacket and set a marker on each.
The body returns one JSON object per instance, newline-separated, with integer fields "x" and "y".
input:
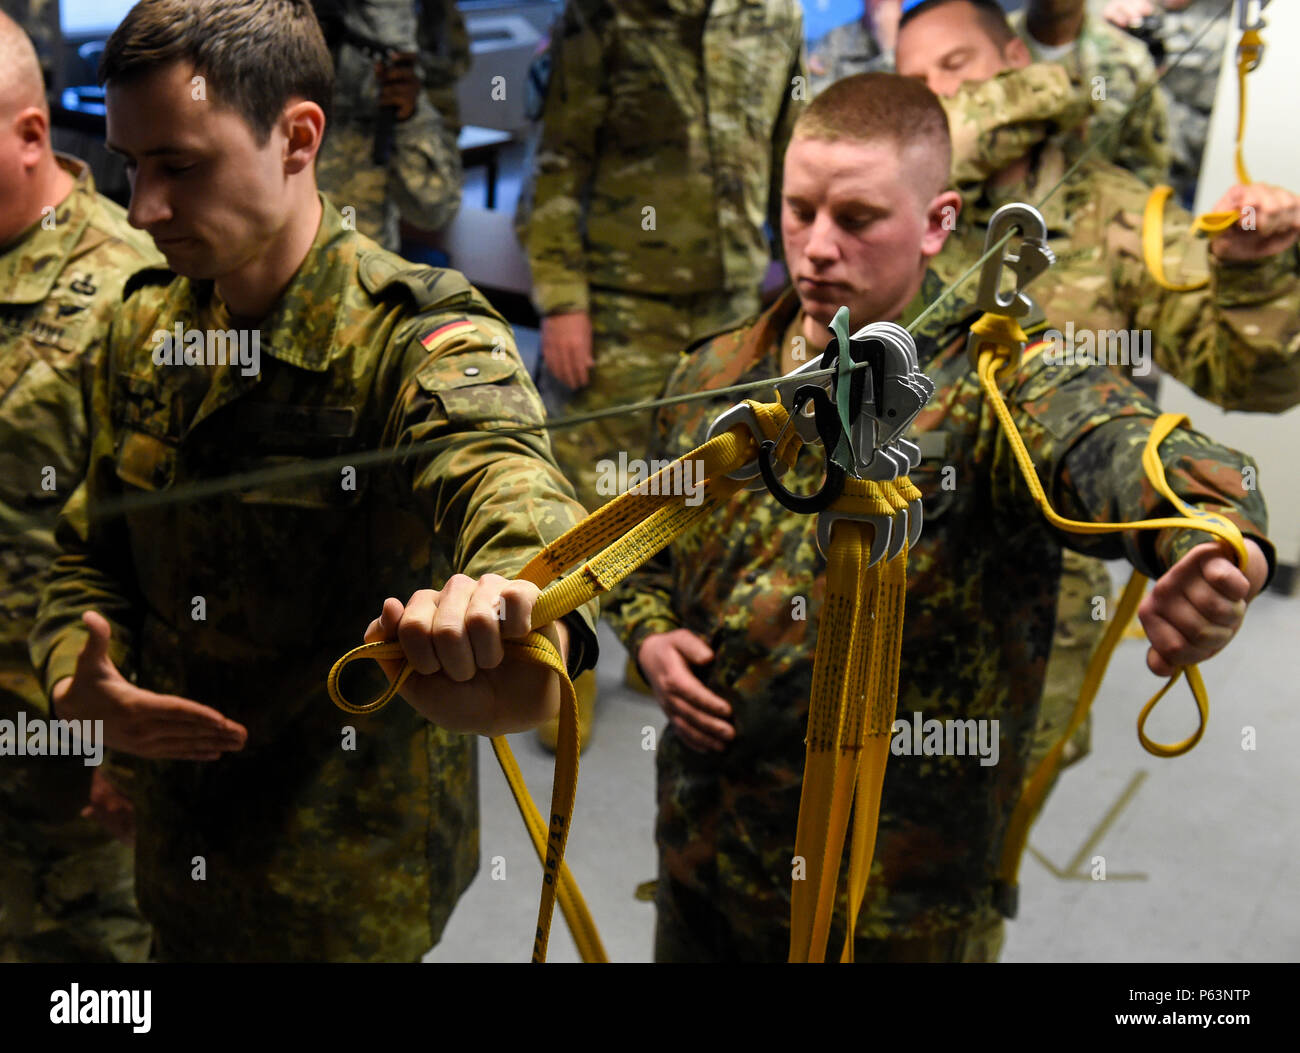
{"x": 58, "y": 288}
{"x": 844, "y": 51}
{"x": 661, "y": 144}
{"x": 1235, "y": 342}
{"x": 1130, "y": 122}
{"x": 981, "y": 604}
{"x": 423, "y": 179}
{"x": 315, "y": 847}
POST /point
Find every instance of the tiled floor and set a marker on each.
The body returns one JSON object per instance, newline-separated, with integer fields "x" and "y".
{"x": 1200, "y": 862}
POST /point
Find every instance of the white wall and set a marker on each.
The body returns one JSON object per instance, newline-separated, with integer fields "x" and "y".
{"x": 1272, "y": 155}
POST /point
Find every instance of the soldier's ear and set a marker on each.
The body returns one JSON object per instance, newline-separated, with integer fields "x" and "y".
{"x": 303, "y": 125}
{"x": 941, "y": 220}
{"x": 1016, "y": 53}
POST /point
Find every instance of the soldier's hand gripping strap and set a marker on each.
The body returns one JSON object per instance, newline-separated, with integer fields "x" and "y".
{"x": 1191, "y": 519}
{"x": 624, "y": 533}
{"x": 1249, "y": 52}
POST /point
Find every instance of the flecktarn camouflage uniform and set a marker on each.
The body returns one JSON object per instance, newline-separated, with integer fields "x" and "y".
{"x": 1235, "y": 342}
{"x": 981, "y": 604}
{"x": 313, "y": 847}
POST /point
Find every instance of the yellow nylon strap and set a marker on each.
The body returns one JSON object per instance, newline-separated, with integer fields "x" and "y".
{"x": 882, "y": 679}
{"x": 655, "y": 519}
{"x": 1192, "y": 519}
{"x": 1035, "y": 789}
{"x": 996, "y": 332}
{"x": 837, "y": 689}
{"x": 1207, "y": 223}
{"x": 851, "y": 712}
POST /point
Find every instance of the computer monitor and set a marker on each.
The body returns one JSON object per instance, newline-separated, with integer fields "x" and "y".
{"x": 81, "y": 18}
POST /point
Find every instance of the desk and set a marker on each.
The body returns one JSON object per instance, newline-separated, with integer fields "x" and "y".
{"x": 482, "y": 146}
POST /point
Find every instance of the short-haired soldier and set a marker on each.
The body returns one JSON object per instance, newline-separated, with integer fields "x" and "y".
{"x": 268, "y": 827}
{"x": 66, "y": 884}
{"x": 863, "y": 210}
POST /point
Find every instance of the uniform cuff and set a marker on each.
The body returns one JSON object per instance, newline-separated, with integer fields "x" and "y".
{"x": 561, "y": 297}
{"x": 1250, "y": 281}
{"x": 1173, "y": 544}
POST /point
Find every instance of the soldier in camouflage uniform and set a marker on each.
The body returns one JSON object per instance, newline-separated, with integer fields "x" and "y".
{"x": 1193, "y": 34}
{"x": 860, "y": 46}
{"x": 982, "y": 581}
{"x": 65, "y": 884}
{"x": 40, "y": 20}
{"x": 645, "y": 228}
{"x": 423, "y": 178}
{"x": 1100, "y": 282}
{"x": 269, "y": 825}
{"x": 1129, "y": 124}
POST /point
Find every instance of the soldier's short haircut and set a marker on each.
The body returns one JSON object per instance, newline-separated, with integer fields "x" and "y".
{"x": 255, "y": 55}
{"x": 870, "y": 107}
{"x": 21, "y": 82}
{"x": 992, "y": 18}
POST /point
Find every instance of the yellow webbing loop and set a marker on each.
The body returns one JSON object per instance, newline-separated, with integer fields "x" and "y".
{"x": 655, "y": 519}
{"x": 850, "y": 715}
{"x": 1207, "y": 223}
{"x": 1192, "y": 518}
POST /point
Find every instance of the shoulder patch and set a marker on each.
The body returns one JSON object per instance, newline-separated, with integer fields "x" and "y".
{"x": 147, "y": 276}
{"x": 444, "y": 331}
{"x": 382, "y": 273}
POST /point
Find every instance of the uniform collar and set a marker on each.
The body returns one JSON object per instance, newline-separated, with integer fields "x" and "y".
{"x": 30, "y": 266}
{"x": 1048, "y": 166}
{"x": 301, "y": 328}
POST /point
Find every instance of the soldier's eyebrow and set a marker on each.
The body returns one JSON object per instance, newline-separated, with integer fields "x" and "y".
{"x": 157, "y": 151}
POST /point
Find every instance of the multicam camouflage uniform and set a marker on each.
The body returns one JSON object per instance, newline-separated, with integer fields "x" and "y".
{"x": 1195, "y": 37}
{"x": 1239, "y": 347}
{"x": 1130, "y": 122}
{"x": 65, "y": 884}
{"x": 312, "y": 850}
{"x": 423, "y": 180}
{"x": 40, "y": 20}
{"x": 982, "y": 587}
{"x": 844, "y": 51}
{"x": 661, "y": 142}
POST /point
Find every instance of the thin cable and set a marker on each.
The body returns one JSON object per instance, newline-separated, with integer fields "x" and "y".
{"x": 376, "y": 458}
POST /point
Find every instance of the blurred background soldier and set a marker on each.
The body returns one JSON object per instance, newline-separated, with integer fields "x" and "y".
{"x": 1195, "y": 33}
{"x": 1232, "y": 342}
{"x": 66, "y": 884}
{"x": 660, "y": 144}
{"x": 40, "y": 20}
{"x": 390, "y": 146}
{"x": 1129, "y": 122}
{"x": 862, "y": 46}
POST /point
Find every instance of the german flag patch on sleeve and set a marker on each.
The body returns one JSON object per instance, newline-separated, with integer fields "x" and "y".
{"x": 435, "y": 338}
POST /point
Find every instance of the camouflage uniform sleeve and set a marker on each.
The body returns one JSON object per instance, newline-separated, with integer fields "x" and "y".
{"x": 444, "y": 57}
{"x": 500, "y": 496}
{"x": 575, "y": 108}
{"x": 1235, "y": 342}
{"x": 997, "y": 121}
{"x": 93, "y": 569}
{"x": 425, "y": 170}
{"x": 1086, "y": 428}
{"x": 1143, "y": 146}
{"x": 643, "y": 605}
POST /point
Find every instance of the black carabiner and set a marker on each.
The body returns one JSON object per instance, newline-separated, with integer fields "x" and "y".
{"x": 828, "y": 431}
